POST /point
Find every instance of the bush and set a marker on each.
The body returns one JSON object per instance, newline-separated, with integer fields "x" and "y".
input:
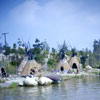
{"x": 52, "y": 63}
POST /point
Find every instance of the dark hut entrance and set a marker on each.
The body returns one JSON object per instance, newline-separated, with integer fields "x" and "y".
{"x": 74, "y": 66}
{"x": 62, "y": 68}
{"x": 32, "y": 71}
{"x": 3, "y": 72}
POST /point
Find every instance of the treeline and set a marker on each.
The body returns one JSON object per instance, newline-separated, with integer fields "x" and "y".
{"x": 41, "y": 50}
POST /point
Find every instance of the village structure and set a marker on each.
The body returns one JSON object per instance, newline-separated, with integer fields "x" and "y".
{"x": 31, "y": 67}
{"x": 30, "y": 72}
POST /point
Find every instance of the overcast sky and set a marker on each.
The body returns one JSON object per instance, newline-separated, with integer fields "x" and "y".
{"x": 76, "y": 21}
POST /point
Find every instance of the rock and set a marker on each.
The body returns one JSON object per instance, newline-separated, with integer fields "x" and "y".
{"x": 55, "y": 78}
{"x": 44, "y": 81}
{"x": 21, "y": 83}
{"x": 30, "y": 81}
{"x": 88, "y": 67}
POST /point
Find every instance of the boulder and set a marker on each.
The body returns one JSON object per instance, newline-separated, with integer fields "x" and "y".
{"x": 44, "y": 81}
{"x": 31, "y": 81}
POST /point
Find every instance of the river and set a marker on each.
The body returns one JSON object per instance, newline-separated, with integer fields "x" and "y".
{"x": 73, "y": 89}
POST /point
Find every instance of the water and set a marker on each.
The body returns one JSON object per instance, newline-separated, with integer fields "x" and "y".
{"x": 74, "y": 89}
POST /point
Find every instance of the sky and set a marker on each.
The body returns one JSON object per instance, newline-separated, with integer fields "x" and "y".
{"x": 75, "y": 21}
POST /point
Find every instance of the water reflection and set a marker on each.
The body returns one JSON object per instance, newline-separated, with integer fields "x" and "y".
{"x": 74, "y": 89}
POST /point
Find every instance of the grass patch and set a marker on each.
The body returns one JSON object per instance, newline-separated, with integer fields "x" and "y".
{"x": 97, "y": 73}
{"x": 13, "y": 85}
{"x": 66, "y": 77}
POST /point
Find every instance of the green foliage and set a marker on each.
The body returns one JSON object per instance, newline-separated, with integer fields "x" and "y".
{"x": 11, "y": 69}
{"x": 45, "y": 46}
{"x": 19, "y": 42}
{"x": 83, "y": 65}
{"x": 2, "y": 81}
{"x": 74, "y": 53}
{"x": 21, "y": 51}
{"x": 53, "y": 61}
{"x": 37, "y": 47}
{"x": 40, "y": 51}
{"x": 37, "y": 40}
{"x": 12, "y": 51}
{"x": 83, "y": 60}
{"x": 14, "y": 46}
{"x": 69, "y": 52}
{"x": 96, "y": 51}
{"x": 92, "y": 61}
{"x": 7, "y": 50}
{"x": 13, "y": 85}
{"x": 39, "y": 58}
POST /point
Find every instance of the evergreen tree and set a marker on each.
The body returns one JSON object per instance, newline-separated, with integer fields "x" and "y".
{"x": 74, "y": 53}
{"x": 96, "y": 50}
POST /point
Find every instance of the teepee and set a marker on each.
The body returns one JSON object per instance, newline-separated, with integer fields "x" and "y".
{"x": 30, "y": 67}
{"x": 74, "y": 63}
{"x": 22, "y": 65}
{"x": 63, "y": 65}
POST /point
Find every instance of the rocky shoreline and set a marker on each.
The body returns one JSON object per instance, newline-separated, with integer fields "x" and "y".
{"x": 15, "y": 80}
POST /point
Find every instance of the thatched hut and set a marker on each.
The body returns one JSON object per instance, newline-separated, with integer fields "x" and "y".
{"x": 31, "y": 67}
{"x": 63, "y": 65}
{"x": 74, "y": 63}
